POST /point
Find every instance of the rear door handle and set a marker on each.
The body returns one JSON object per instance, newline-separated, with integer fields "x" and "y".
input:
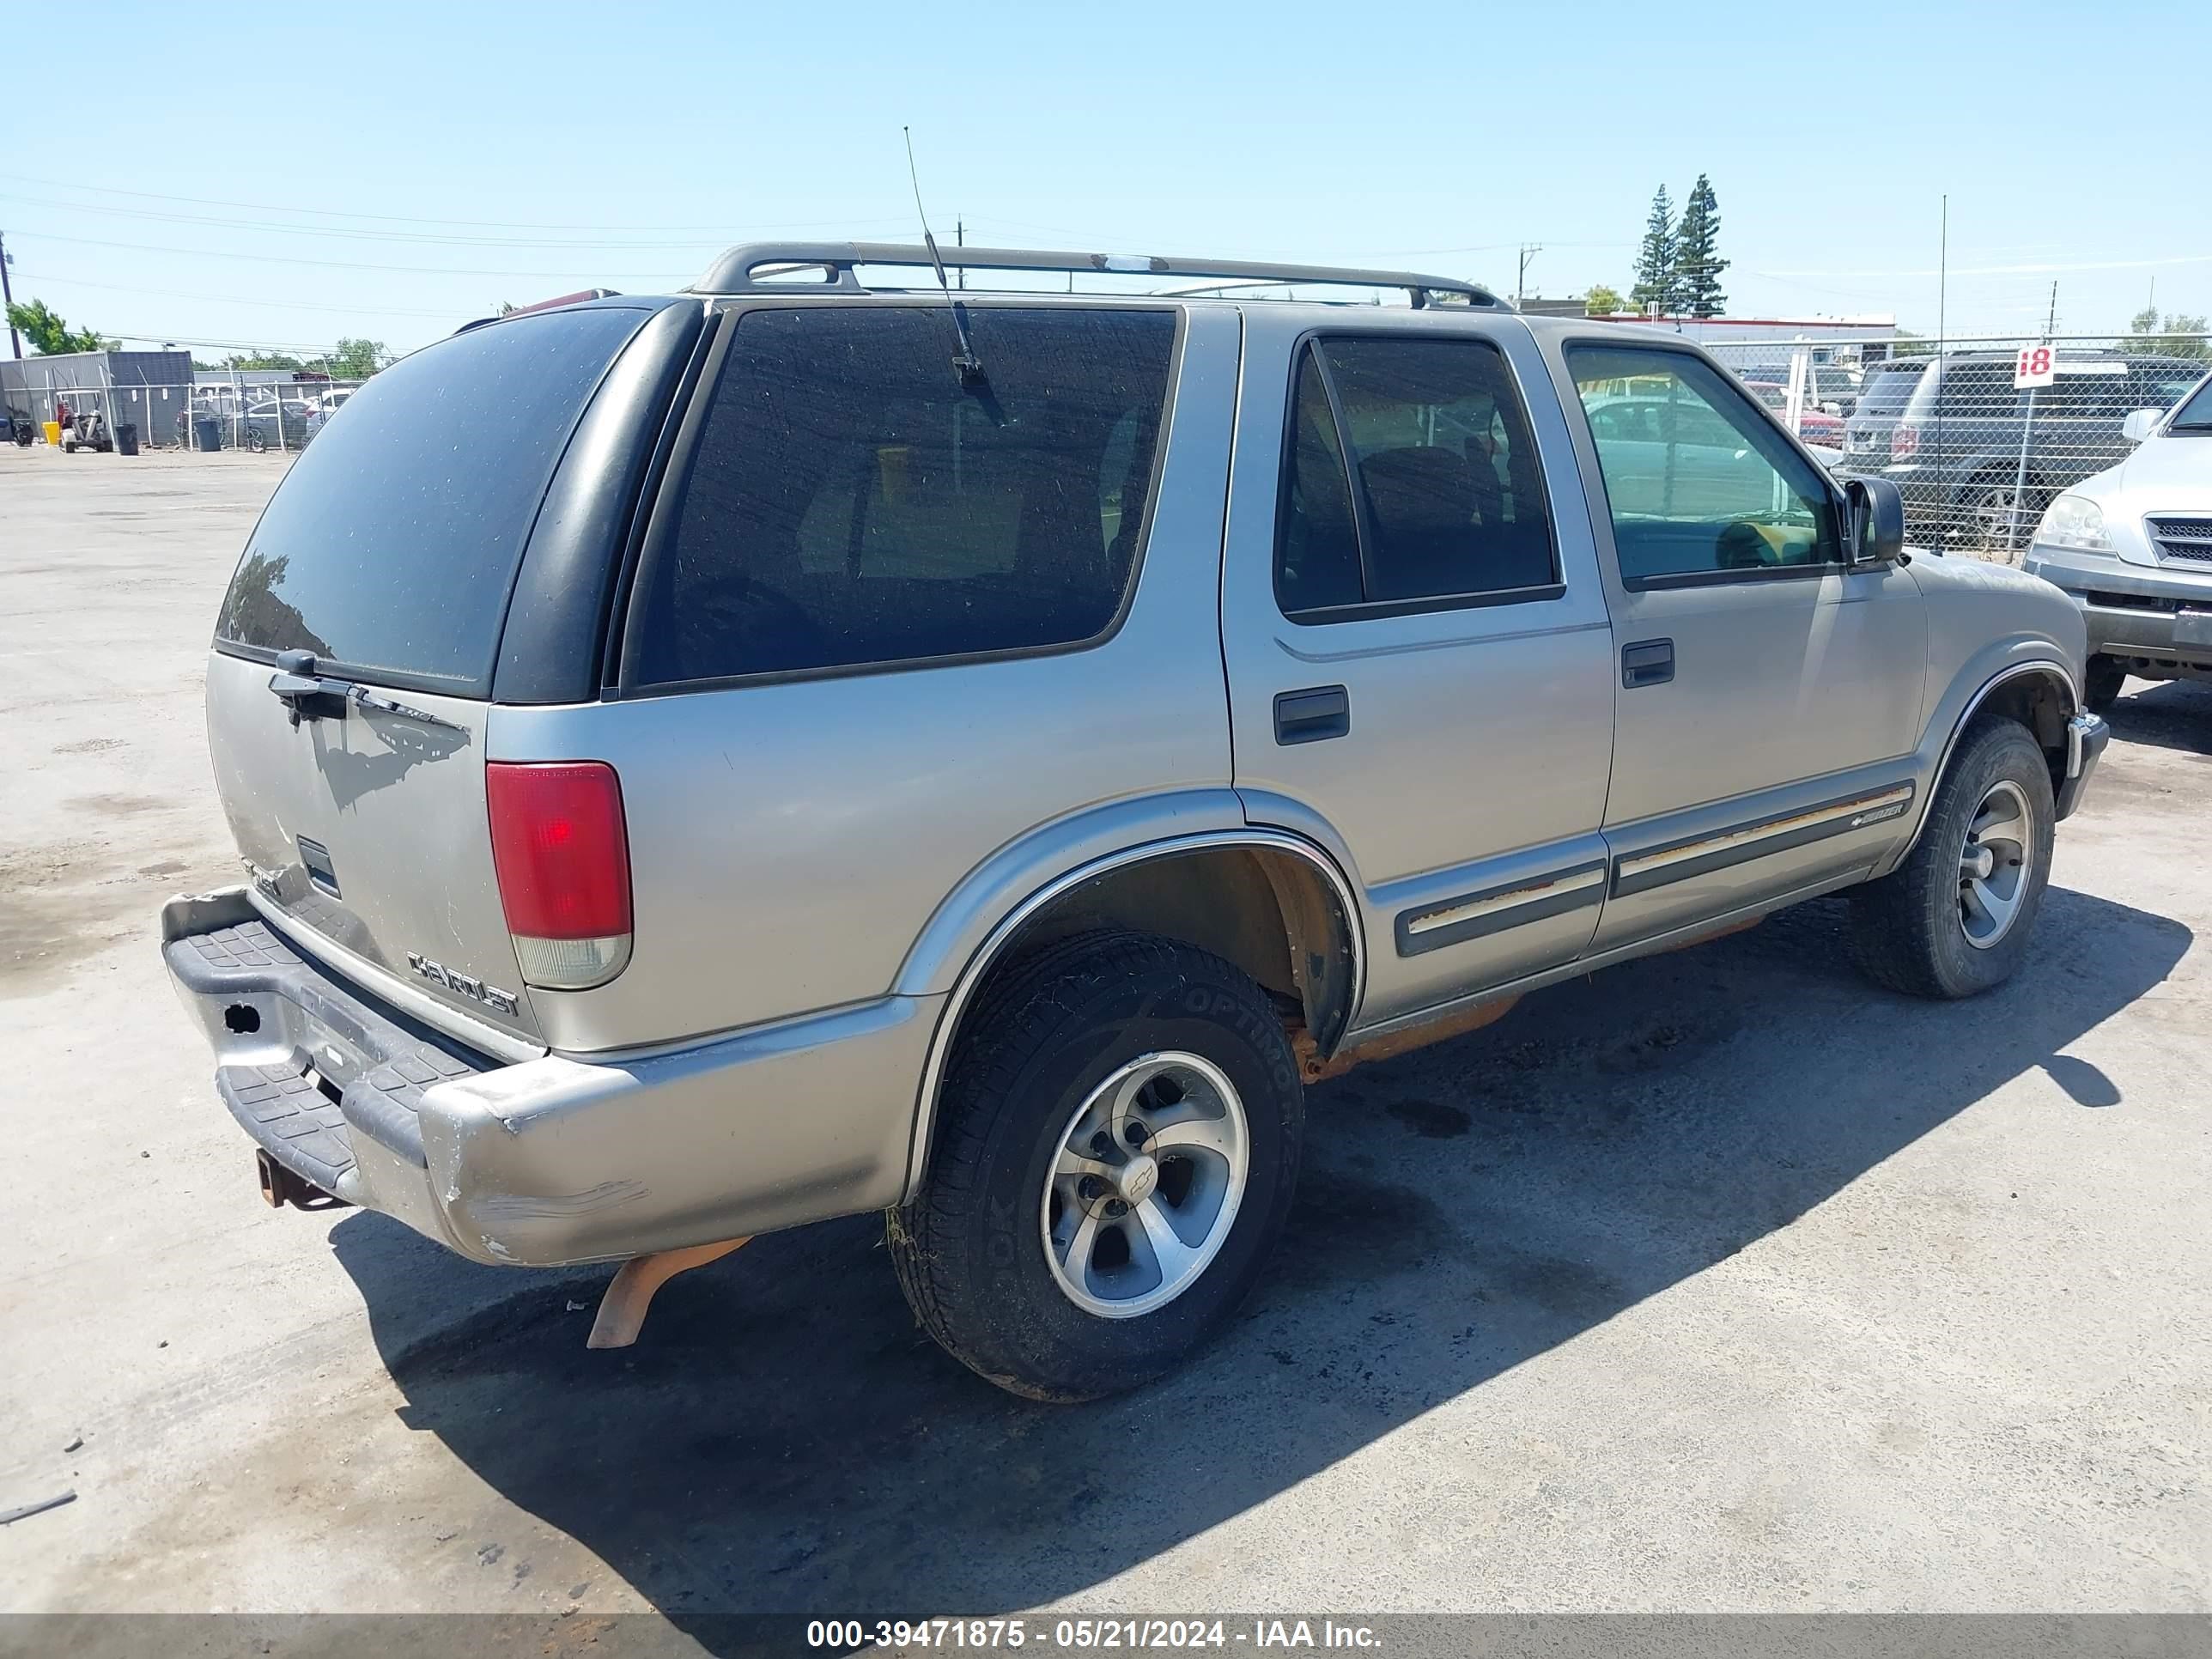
{"x": 1308, "y": 716}
{"x": 1647, "y": 662}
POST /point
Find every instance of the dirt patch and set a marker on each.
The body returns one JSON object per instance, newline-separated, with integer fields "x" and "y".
{"x": 89, "y": 746}
{"x": 55, "y": 912}
{"x": 118, "y": 806}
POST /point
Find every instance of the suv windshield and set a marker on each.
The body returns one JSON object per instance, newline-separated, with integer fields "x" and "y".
{"x": 2195, "y": 415}
{"x": 391, "y": 547}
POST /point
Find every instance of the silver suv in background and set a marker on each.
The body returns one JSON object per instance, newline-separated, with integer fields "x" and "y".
{"x": 2133, "y": 545}
{"x": 825, "y": 747}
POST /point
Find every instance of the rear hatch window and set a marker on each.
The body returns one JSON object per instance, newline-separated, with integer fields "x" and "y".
{"x": 391, "y": 546}
{"x": 1888, "y": 391}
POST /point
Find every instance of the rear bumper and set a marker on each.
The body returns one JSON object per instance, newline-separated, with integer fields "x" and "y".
{"x": 556, "y": 1159}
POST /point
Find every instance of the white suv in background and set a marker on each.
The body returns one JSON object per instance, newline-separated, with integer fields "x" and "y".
{"x": 2133, "y": 545}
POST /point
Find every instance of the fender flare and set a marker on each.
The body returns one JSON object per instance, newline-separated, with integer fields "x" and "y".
{"x": 2046, "y": 665}
{"x": 992, "y": 948}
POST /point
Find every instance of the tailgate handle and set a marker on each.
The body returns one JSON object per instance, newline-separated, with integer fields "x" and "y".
{"x": 1311, "y": 715}
{"x": 1647, "y": 662}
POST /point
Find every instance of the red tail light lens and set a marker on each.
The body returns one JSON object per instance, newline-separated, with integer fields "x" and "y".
{"x": 1904, "y": 442}
{"x": 562, "y": 850}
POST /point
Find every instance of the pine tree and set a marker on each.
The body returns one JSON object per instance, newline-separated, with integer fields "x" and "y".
{"x": 1654, "y": 264}
{"x": 1698, "y": 263}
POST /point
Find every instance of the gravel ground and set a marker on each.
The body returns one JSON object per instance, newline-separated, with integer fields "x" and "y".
{"x": 1718, "y": 1282}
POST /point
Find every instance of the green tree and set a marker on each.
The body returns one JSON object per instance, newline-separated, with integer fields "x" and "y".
{"x": 1602, "y": 300}
{"x": 2178, "y": 335}
{"x": 1654, "y": 264}
{"x": 1697, "y": 263}
{"x": 48, "y": 334}
{"x": 262, "y": 360}
{"x": 356, "y": 360}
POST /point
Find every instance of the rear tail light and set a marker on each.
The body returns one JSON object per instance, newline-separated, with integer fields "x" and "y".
{"x": 1904, "y": 442}
{"x": 562, "y": 854}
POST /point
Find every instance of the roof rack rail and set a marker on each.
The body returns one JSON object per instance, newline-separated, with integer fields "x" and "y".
{"x": 737, "y": 271}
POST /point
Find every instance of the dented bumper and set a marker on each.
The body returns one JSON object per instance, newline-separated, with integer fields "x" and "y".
{"x": 557, "y": 1159}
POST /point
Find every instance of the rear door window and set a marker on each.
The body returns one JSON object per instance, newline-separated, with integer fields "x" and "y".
{"x": 391, "y": 547}
{"x": 850, "y": 502}
{"x": 1410, "y": 481}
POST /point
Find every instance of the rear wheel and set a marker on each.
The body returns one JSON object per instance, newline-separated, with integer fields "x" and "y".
{"x": 1117, "y": 1147}
{"x": 1955, "y": 918}
{"x": 2101, "y": 686}
{"x": 257, "y": 441}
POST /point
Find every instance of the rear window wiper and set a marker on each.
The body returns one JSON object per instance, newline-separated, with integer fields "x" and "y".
{"x": 311, "y": 695}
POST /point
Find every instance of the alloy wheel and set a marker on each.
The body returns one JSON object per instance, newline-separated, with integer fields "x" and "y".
{"x": 1146, "y": 1185}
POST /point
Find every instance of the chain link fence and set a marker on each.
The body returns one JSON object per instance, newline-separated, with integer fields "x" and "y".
{"x": 256, "y": 414}
{"x": 1976, "y": 458}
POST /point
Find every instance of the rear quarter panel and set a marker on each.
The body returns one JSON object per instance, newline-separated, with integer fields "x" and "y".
{"x": 790, "y": 842}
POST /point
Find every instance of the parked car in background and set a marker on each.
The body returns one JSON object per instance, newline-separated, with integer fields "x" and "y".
{"x": 271, "y": 423}
{"x": 2133, "y": 545}
{"x": 1949, "y": 433}
{"x": 1815, "y": 425}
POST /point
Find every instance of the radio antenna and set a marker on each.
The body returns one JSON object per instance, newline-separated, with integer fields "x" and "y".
{"x": 965, "y": 362}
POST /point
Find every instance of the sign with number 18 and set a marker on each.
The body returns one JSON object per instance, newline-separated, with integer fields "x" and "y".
{"x": 2035, "y": 367}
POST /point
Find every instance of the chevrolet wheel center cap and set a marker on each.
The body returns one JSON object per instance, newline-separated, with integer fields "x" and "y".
{"x": 1138, "y": 1178}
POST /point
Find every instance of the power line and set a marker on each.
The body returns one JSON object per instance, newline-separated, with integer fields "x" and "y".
{"x": 723, "y": 229}
{"x": 239, "y": 300}
{"x": 364, "y": 264}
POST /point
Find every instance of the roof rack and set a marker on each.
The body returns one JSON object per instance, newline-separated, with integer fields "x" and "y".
{"x": 740, "y": 269}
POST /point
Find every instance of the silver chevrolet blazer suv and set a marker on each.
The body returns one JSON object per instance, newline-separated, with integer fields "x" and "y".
{"x": 825, "y": 741}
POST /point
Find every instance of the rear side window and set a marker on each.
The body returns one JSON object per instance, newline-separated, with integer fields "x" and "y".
{"x": 851, "y": 502}
{"x": 391, "y": 547}
{"x": 1965, "y": 389}
{"x": 1410, "y": 481}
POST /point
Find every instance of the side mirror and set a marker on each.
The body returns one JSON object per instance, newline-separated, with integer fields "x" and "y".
{"x": 1875, "y": 514}
{"x": 2140, "y": 425}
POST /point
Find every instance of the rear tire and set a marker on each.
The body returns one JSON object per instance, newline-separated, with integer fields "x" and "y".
{"x": 1035, "y": 1252}
{"x": 2101, "y": 686}
{"x": 1955, "y": 918}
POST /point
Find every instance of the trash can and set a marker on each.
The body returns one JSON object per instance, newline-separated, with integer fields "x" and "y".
{"x": 53, "y": 433}
{"x": 207, "y": 433}
{"x": 126, "y": 438}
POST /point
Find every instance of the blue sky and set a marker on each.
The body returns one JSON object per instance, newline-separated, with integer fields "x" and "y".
{"x": 394, "y": 169}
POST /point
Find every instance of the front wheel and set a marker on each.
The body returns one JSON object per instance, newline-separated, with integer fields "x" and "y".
{"x": 257, "y": 441}
{"x": 1116, "y": 1151}
{"x": 1955, "y": 918}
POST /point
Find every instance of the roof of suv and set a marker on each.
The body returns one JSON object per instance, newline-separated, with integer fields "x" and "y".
{"x": 753, "y": 268}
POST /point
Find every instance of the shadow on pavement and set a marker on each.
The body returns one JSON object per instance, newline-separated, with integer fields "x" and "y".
{"x": 2167, "y": 715}
{"x": 784, "y": 1439}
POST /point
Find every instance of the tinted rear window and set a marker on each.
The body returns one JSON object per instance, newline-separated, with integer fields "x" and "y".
{"x": 391, "y": 547}
{"x": 1888, "y": 390}
{"x": 851, "y": 502}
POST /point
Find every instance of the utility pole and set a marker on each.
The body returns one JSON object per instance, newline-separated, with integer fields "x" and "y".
{"x": 960, "y": 239}
{"x": 1528, "y": 251}
{"x": 7, "y": 296}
